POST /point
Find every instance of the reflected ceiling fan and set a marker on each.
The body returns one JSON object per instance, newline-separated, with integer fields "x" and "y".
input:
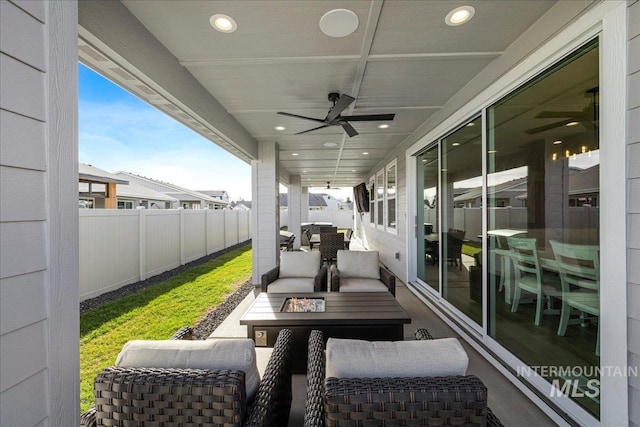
{"x": 329, "y": 187}
{"x": 333, "y": 118}
{"x": 588, "y": 117}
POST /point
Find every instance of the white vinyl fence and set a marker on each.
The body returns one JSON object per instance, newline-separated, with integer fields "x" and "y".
{"x": 340, "y": 219}
{"x": 119, "y": 247}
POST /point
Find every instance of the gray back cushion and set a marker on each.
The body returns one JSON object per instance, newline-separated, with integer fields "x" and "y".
{"x": 299, "y": 264}
{"x": 363, "y": 264}
{"x": 380, "y": 359}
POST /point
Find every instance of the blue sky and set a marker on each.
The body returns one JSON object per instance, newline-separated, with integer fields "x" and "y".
{"x": 120, "y": 132}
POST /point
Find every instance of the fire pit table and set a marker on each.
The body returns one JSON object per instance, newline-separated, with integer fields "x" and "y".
{"x": 359, "y": 315}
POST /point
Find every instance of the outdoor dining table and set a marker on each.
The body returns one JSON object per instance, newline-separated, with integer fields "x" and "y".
{"x": 315, "y": 240}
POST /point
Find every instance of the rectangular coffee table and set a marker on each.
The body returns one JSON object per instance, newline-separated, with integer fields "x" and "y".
{"x": 362, "y": 315}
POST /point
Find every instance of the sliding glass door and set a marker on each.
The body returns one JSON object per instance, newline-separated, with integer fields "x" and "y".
{"x": 526, "y": 228}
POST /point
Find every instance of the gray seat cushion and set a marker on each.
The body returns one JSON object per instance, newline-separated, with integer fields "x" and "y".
{"x": 362, "y": 285}
{"x": 291, "y": 285}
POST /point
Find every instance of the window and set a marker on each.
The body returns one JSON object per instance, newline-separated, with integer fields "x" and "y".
{"x": 380, "y": 199}
{"x": 125, "y": 204}
{"x": 390, "y": 196}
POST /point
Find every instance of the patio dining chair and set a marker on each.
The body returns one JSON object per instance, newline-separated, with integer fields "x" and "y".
{"x": 199, "y": 382}
{"x": 404, "y": 383}
{"x": 330, "y": 244}
{"x": 579, "y": 268}
{"x": 529, "y": 277}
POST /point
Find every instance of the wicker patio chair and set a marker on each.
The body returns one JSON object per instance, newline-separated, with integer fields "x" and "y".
{"x": 297, "y": 272}
{"x": 330, "y": 244}
{"x": 452, "y": 400}
{"x": 189, "y": 397}
{"x": 361, "y": 271}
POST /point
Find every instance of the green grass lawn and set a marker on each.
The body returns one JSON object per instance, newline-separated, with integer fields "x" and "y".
{"x": 156, "y": 312}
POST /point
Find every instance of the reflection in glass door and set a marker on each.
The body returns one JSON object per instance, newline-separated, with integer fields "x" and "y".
{"x": 461, "y": 180}
{"x": 428, "y": 229}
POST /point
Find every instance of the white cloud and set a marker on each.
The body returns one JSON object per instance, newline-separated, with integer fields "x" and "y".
{"x": 120, "y": 136}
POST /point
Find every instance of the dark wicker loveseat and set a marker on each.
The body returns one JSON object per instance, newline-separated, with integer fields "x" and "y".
{"x": 189, "y": 397}
{"x": 426, "y": 401}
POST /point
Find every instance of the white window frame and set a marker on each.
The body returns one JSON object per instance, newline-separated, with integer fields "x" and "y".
{"x": 380, "y": 190}
{"x": 372, "y": 201}
{"x": 393, "y": 164}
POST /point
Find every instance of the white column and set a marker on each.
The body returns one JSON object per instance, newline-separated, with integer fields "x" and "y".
{"x": 265, "y": 210}
{"x": 295, "y": 208}
{"x": 304, "y": 205}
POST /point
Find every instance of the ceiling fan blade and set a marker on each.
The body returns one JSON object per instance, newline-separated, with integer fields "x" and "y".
{"x": 369, "y": 117}
{"x": 550, "y": 126}
{"x": 343, "y": 102}
{"x": 349, "y": 129}
{"x": 311, "y": 130}
{"x": 300, "y": 117}
{"x": 557, "y": 114}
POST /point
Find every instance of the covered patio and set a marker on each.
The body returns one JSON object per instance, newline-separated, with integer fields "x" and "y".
{"x": 428, "y": 109}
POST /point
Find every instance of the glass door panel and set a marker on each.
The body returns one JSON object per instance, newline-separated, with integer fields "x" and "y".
{"x": 428, "y": 230}
{"x": 461, "y": 177}
{"x": 543, "y": 214}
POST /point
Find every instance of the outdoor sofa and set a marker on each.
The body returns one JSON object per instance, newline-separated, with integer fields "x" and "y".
{"x": 158, "y": 396}
{"x": 392, "y": 400}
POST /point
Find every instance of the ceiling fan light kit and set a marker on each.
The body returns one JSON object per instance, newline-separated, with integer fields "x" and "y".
{"x": 334, "y": 117}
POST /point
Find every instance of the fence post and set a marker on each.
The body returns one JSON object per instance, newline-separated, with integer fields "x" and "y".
{"x": 237, "y": 225}
{"x": 142, "y": 242}
{"x": 206, "y": 231}
{"x": 181, "y": 234}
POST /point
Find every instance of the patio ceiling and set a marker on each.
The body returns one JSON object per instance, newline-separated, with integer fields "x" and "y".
{"x": 402, "y": 59}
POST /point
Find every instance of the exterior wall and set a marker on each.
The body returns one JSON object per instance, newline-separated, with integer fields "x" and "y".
{"x": 119, "y": 247}
{"x": 633, "y": 209}
{"x": 39, "y": 384}
{"x": 387, "y": 243}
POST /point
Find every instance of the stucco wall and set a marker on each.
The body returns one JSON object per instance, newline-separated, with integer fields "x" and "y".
{"x": 38, "y": 214}
{"x": 633, "y": 210}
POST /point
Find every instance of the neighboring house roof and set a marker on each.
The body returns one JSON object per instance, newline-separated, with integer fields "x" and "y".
{"x": 475, "y": 193}
{"x": 137, "y": 191}
{"x": 221, "y": 194}
{"x": 315, "y": 199}
{"x": 172, "y": 190}
{"x": 245, "y": 203}
{"x": 90, "y": 173}
{"x": 585, "y": 181}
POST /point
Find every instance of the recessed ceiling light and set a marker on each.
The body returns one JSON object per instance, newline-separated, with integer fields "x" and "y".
{"x": 305, "y": 172}
{"x": 557, "y": 142}
{"x": 223, "y": 23}
{"x": 353, "y": 170}
{"x": 571, "y": 124}
{"x": 294, "y": 154}
{"x": 492, "y": 151}
{"x": 366, "y": 153}
{"x": 459, "y": 15}
{"x": 339, "y": 23}
{"x": 330, "y": 144}
{"x": 455, "y": 144}
{"x": 280, "y": 128}
{"x": 383, "y": 126}
{"x": 470, "y": 124}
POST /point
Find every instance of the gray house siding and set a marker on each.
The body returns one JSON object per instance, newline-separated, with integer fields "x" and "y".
{"x": 633, "y": 238}
{"x": 38, "y": 214}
